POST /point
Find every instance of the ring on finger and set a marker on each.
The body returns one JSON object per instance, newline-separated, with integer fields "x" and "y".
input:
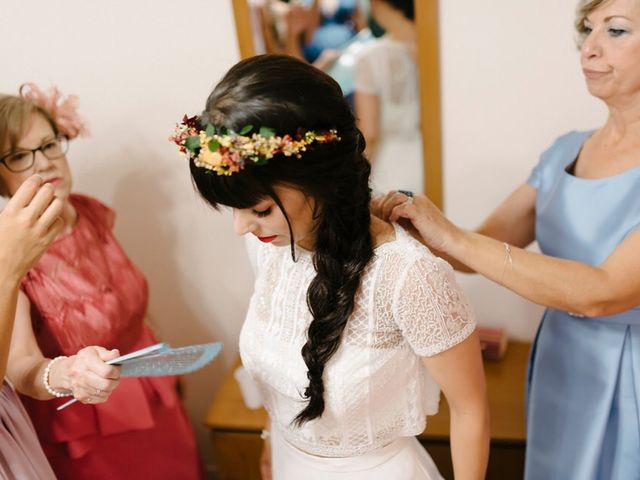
{"x": 407, "y": 193}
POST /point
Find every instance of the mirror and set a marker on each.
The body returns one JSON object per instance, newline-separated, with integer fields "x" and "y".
{"x": 261, "y": 27}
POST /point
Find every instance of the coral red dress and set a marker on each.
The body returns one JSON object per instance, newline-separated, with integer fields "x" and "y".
{"x": 85, "y": 291}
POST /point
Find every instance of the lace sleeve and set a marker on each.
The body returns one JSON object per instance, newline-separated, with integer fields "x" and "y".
{"x": 430, "y": 307}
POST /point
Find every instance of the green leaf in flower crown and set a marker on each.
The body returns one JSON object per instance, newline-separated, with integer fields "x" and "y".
{"x": 260, "y": 160}
{"x": 267, "y": 132}
{"x": 246, "y": 129}
{"x": 213, "y": 145}
{"x": 210, "y": 130}
{"x": 192, "y": 143}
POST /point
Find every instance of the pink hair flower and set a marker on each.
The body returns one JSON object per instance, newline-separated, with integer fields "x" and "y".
{"x": 62, "y": 109}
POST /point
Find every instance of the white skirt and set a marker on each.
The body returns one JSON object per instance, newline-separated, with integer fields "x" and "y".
{"x": 402, "y": 459}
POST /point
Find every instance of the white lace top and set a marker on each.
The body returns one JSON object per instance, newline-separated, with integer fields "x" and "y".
{"x": 376, "y": 386}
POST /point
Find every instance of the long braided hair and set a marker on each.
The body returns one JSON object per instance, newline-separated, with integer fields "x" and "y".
{"x": 286, "y": 94}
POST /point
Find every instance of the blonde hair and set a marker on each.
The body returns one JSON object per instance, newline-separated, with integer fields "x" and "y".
{"x": 15, "y": 113}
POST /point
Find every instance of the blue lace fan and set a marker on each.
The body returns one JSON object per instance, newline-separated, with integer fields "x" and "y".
{"x": 160, "y": 360}
{"x": 170, "y": 361}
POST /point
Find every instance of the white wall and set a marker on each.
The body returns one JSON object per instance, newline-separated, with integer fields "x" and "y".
{"x": 511, "y": 83}
{"x": 137, "y": 68}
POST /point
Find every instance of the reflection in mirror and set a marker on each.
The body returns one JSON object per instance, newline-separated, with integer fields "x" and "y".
{"x": 262, "y": 27}
{"x": 326, "y": 33}
{"x": 312, "y": 30}
{"x": 386, "y": 99}
{"x": 369, "y": 47}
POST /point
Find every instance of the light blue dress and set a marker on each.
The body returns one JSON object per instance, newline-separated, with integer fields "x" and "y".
{"x": 584, "y": 373}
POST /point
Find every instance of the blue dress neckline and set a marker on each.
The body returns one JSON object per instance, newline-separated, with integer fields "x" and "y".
{"x": 576, "y": 157}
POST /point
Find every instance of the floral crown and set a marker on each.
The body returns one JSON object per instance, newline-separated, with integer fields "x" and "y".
{"x": 227, "y": 152}
{"x": 63, "y": 110}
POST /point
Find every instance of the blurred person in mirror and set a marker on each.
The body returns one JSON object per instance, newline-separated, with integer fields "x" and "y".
{"x": 311, "y": 30}
{"x": 387, "y": 99}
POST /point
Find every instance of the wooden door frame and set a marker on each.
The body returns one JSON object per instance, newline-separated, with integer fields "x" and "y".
{"x": 426, "y": 18}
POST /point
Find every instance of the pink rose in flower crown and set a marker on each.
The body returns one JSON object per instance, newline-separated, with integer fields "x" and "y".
{"x": 63, "y": 110}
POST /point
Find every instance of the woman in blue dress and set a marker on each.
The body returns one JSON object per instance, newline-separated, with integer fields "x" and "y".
{"x": 582, "y": 204}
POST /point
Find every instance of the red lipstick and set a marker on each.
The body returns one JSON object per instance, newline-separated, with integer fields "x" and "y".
{"x": 267, "y": 239}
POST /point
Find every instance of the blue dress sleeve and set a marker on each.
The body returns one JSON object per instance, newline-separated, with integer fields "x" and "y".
{"x": 556, "y": 158}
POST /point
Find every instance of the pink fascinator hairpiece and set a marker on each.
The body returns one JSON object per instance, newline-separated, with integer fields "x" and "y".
{"x": 62, "y": 109}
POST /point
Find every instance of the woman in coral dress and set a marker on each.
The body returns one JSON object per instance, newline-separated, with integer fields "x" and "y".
{"x": 84, "y": 291}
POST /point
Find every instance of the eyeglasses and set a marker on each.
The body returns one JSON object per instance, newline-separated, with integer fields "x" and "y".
{"x": 22, "y": 160}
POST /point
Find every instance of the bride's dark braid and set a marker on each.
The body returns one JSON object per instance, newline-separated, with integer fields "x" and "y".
{"x": 342, "y": 251}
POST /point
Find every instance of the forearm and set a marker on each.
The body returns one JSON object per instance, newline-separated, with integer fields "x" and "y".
{"x": 27, "y": 375}
{"x": 315, "y": 18}
{"x": 470, "y": 444}
{"x": 293, "y": 47}
{"x": 460, "y": 374}
{"x": 8, "y": 299}
{"x": 553, "y": 282}
{"x": 457, "y": 265}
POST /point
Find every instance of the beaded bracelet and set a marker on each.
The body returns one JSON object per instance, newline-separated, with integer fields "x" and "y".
{"x": 47, "y": 385}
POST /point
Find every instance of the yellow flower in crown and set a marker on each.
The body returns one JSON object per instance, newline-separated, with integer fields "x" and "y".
{"x": 227, "y": 152}
{"x": 209, "y": 158}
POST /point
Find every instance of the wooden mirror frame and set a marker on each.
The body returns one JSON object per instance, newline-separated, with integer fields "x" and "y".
{"x": 426, "y": 18}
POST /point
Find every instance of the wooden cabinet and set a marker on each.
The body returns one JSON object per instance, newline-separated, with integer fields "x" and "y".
{"x": 235, "y": 430}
